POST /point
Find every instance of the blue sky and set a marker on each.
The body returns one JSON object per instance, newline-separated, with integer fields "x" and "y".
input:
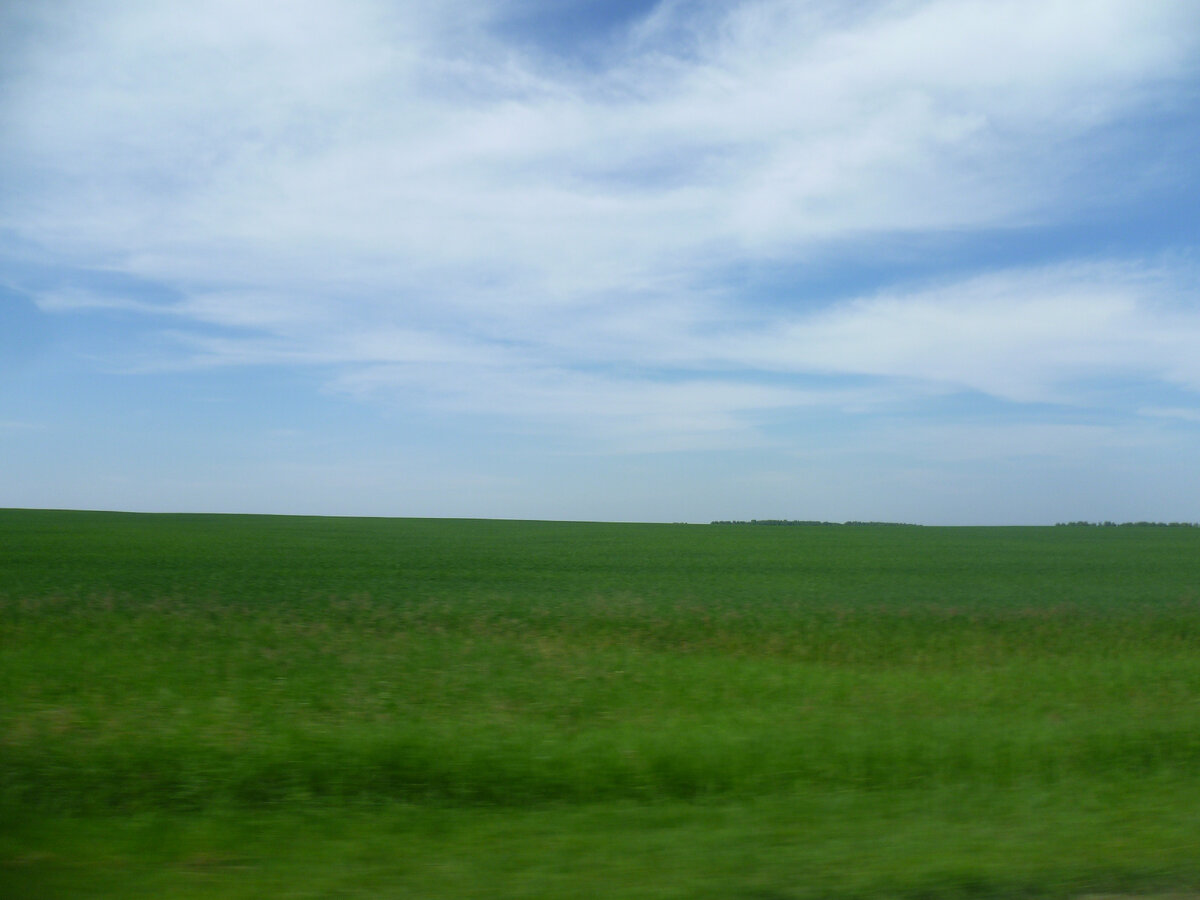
{"x": 918, "y": 260}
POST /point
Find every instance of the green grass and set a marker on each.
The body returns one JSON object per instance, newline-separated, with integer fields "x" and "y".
{"x": 356, "y": 707}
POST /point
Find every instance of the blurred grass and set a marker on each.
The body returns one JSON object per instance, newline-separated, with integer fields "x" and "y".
{"x": 920, "y": 845}
{"x": 229, "y": 668}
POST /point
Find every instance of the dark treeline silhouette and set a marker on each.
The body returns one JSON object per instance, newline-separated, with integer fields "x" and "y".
{"x": 1129, "y": 524}
{"x": 905, "y": 524}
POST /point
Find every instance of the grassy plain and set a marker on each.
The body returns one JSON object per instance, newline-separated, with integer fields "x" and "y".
{"x": 247, "y": 706}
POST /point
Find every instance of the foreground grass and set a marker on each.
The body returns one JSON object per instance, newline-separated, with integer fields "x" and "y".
{"x": 926, "y": 844}
{"x": 240, "y": 706}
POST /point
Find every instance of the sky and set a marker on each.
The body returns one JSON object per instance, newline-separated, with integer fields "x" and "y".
{"x": 929, "y": 261}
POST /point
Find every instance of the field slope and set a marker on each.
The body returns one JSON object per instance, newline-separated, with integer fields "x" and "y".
{"x": 210, "y": 706}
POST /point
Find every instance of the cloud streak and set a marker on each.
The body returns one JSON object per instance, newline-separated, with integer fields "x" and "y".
{"x": 1052, "y": 335}
{"x": 381, "y": 141}
{"x": 437, "y": 217}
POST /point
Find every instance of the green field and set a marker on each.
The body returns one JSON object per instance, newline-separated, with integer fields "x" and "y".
{"x": 243, "y": 706}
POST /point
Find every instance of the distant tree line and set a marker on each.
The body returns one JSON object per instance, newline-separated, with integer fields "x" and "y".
{"x": 794, "y": 522}
{"x": 1129, "y": 524}
{"x": 905, "y": 524}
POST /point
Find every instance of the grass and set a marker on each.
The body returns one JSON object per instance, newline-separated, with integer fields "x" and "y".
{"x": 240, "y": 706}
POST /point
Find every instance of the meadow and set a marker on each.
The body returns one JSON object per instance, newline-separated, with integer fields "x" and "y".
{"x": 227, "y": 706}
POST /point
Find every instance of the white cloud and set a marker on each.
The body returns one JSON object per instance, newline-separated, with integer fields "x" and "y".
{"x": 696, "y": 375}
{"x": 1024, "y": 335}
{"x": 392, "y": 192}
{"x": 240, "y": 141}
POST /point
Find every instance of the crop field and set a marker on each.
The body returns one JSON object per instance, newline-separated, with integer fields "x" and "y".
{"x": 243, "y": 706}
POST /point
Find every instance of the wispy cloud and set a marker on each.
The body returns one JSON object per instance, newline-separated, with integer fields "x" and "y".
{"x": 380, "y": 148}
{"x": 441, "y": 217}
{"x": 1046, "y": 335}
{"x": 1024, "y": 335}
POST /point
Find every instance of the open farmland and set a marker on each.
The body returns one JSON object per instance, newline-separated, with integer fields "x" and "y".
{"x": 213, "y": 706}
